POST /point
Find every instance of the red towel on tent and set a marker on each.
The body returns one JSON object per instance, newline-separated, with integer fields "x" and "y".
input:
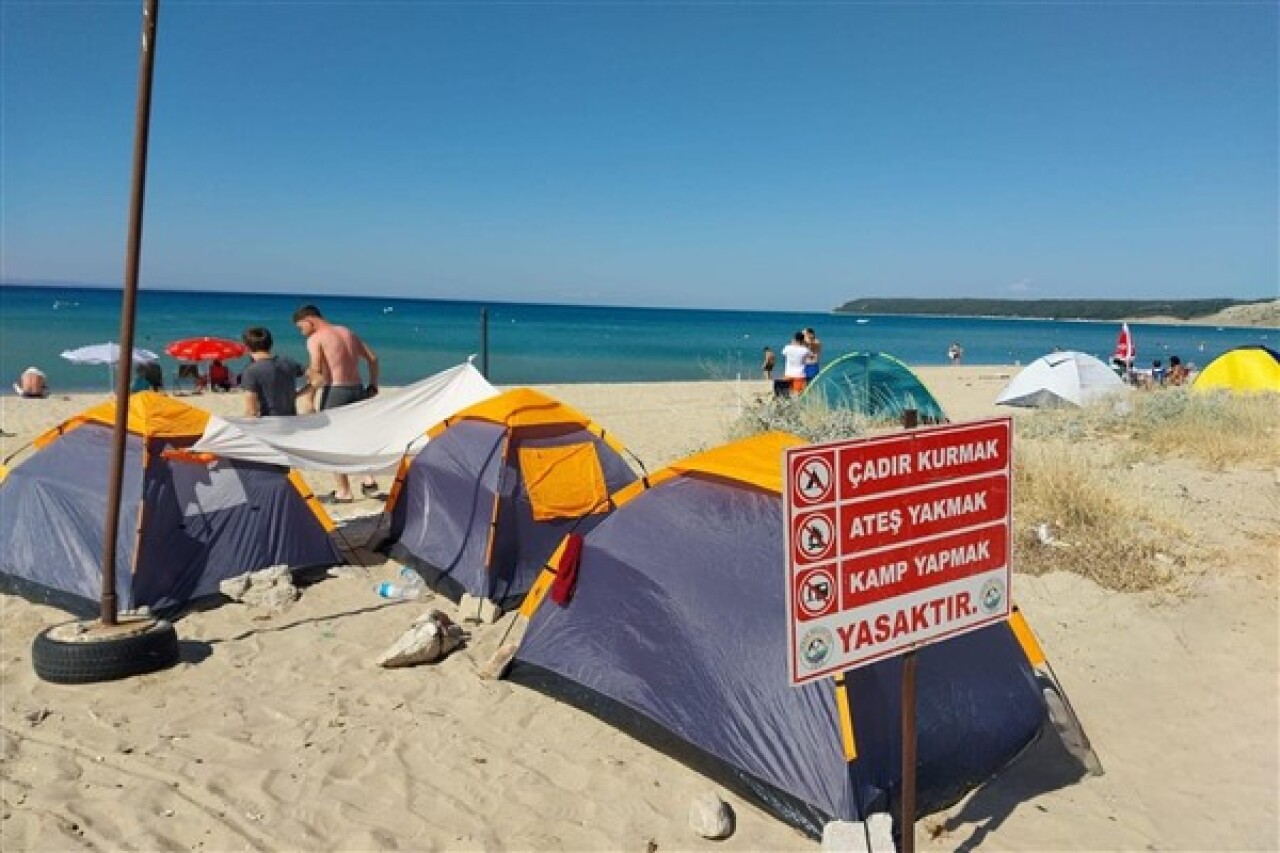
{"x": 567, "y": 570}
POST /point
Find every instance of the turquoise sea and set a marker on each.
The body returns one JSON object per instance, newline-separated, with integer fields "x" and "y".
{"x": 535, "y": 343}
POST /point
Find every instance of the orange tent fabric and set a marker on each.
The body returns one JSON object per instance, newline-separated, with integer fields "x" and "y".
{"x": 151, "y": 415}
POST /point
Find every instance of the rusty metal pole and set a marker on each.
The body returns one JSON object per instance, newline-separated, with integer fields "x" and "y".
{"x": 142, "y": 125}
{"x": 908, "y": 827}
{"x": 910, "y": 420}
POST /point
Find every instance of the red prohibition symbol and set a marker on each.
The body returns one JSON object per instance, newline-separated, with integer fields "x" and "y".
{"x": 815, "y": 536}
{"x": 814, "y": 480}
{"x": 817, "y": 593}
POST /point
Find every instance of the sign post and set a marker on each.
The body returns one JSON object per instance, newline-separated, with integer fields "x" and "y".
{"x": 892, "y": 543}
{"x": 909, "y": 752}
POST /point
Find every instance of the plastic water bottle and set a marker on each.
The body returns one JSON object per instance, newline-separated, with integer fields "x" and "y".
{"x": 410, "y": 586}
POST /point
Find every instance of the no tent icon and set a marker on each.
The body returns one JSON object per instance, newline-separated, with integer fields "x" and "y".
{"x": 812, "y": 479}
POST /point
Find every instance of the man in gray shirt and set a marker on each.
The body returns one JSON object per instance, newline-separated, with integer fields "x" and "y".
{"x": 270, "y": 381}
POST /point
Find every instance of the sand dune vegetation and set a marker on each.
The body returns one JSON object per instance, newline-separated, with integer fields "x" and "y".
{"x": 1077, "y": 505}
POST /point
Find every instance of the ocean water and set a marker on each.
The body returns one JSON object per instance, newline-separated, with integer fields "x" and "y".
{"x": 535, "y": 344}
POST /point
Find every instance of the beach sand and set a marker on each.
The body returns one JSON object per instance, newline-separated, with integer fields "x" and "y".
{"x": 278, "y": 732}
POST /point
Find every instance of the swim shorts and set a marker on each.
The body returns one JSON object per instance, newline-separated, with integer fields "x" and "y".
{"x": 334, "y": 396}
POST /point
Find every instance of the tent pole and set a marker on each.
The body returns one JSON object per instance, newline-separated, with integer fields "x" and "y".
{"x": 115, "y": 484}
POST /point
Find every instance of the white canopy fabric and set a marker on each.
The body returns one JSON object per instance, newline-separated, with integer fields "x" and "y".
{"x": 1061, "y": 378}
{"x": 363, "y": 437}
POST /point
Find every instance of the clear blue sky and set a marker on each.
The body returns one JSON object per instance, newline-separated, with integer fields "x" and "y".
{"x": 752, "y": 155}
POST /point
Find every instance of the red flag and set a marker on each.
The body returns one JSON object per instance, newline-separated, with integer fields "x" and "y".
{"x": 1125, "y": 350}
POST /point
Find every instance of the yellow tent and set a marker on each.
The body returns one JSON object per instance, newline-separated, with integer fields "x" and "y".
{"x": 1247, "y": 368}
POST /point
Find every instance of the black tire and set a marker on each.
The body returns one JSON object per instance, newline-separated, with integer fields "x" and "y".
{"x": 84, "y": 662}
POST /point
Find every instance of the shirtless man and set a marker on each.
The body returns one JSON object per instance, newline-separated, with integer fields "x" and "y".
{"x": 336, "y": 352}
{"x": 812, "y": 364}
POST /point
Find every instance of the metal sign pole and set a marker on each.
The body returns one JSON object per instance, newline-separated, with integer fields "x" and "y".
{"x": 484, "y": 342}
{"x": 908, "y": 822}
{"x": 142, "y": 124}
{"x": 910, "y": 420}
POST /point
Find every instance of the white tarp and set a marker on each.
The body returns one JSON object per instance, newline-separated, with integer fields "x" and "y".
{"x": 363, "y": 437}
{"x": 1061, "y": 378}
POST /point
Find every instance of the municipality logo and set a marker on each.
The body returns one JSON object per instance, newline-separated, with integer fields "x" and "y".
{"x": 816, "y": 646}
{"x": 992, "y": 597}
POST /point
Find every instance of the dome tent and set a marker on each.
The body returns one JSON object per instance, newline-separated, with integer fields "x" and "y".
{"x": 482, "y": 506}
{"x": 195, "y": 519}
{"x": 875, "y": 384}
{"x": 1247, "y": 368}
{"x": 674, "y": 632}
{"x": 1061, "y": 379}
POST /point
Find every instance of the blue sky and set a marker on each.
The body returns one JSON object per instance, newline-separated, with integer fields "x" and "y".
{"x": 749, "y": 155}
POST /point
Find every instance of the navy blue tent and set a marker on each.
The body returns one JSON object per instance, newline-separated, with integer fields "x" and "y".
{"x": 676, "y": 632}
{"x": 186, "y": 522}
{"x": 499, "y": 484}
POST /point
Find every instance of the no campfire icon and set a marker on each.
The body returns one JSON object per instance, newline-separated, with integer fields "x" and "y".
{"x": 816, "y": 536}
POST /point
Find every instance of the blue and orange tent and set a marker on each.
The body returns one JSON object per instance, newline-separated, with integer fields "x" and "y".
{"x": 675, "y": 631}
{"x": 496, "y": 487}
{"x": 187, "y": 521}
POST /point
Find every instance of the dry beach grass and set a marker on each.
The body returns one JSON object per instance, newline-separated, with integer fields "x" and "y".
{"x": 277, "y": 732}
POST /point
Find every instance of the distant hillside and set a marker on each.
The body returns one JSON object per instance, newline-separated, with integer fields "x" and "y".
{"x": 1265, "y": 314}
{"x": 1052, "y": 309}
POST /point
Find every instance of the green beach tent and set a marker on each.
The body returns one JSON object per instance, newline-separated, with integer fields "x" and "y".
{"x": 875, "y": 384}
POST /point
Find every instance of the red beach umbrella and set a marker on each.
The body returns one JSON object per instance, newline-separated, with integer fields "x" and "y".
{"x": 205, "y": 349}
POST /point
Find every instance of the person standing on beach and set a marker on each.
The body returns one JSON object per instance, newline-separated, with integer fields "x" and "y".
{"x": 794, "y": 356}
{"x": 766, "y": 366}
{"x": 812, "y": 364}
{"x": 955, "y": 352}
{"x": 336, "y": 353}
{"x": 270, "y": 381}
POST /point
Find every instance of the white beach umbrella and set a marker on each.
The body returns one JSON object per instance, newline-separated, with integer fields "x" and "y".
{"x": 108, "y": 354}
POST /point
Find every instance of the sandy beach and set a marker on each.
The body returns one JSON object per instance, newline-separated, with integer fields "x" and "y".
{"x": 278, "y": 732}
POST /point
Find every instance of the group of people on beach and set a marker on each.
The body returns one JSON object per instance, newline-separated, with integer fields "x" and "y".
{"x": 1177, "y": 373}
{"x": 270, "y": 382}
{"x": 801, "y": 362}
